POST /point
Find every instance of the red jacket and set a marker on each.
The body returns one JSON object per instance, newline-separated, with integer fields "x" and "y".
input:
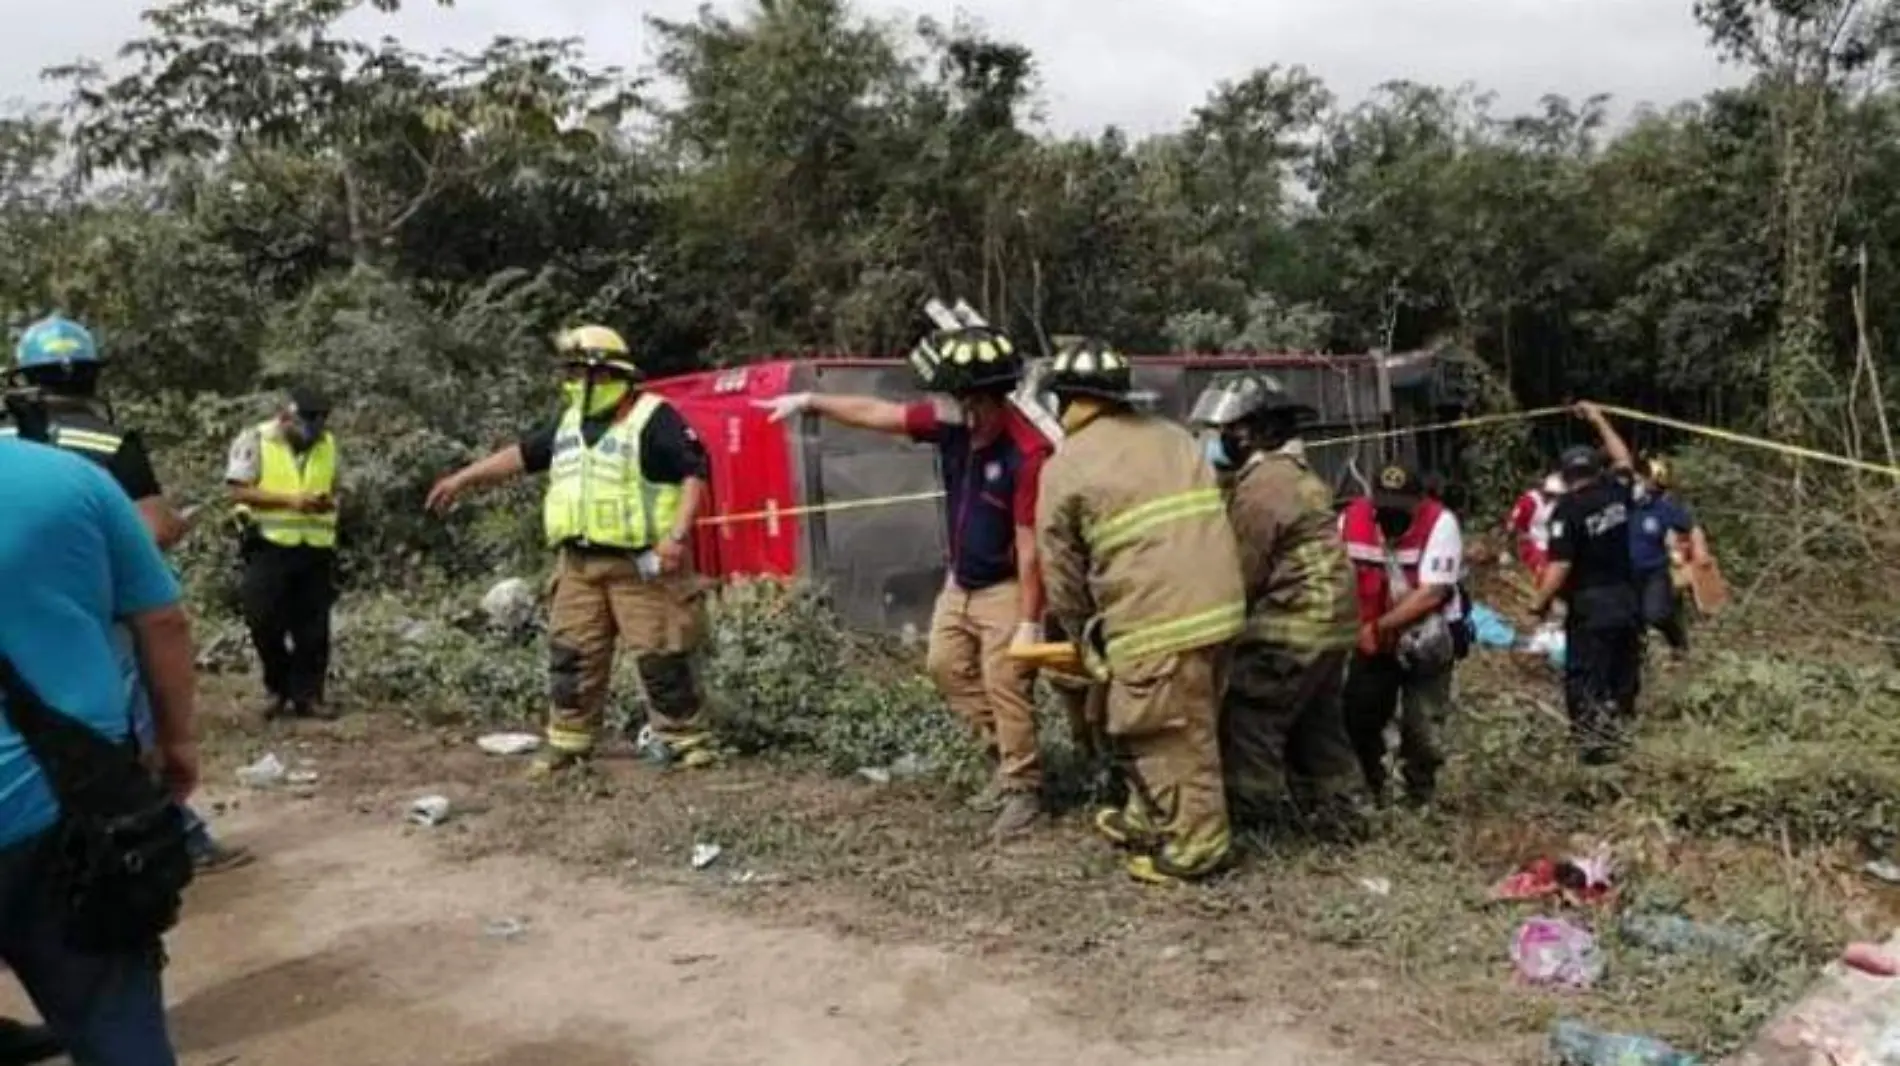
{"x": 1365, "y": 546}
{"x": 1530, "y": 520}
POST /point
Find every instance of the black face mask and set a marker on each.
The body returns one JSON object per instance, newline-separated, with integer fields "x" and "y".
{"x": 1394, "y": 521}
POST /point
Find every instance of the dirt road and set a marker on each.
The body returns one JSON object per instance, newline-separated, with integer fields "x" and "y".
{"x": 353, "y": 940}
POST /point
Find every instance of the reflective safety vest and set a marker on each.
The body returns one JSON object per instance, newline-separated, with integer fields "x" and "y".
{"x": 598, "y": 495}
{"x": 280, "y": 472}
{"x": 1365, "y": 546}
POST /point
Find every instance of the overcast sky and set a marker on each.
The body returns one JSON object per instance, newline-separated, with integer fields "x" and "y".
{"x": 1140, "y": 64}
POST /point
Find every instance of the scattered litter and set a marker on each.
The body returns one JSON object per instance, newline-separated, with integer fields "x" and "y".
{"x": 876, "y": 775}
{"x": 429, "y": 811}
{"x": 1490, "y": 629}
{"x": 1871, "y": 959}
{"x": 1581, "y": 880}
{"x": 909, "y": 765}
{"x": 301, "y": 777}
{"x": 1551, "y": 951}
{"x": 705, "y": 855}
{"x": 753, "y": 877}
{"x": 266, "y": 772}
{"x": 505, "y": 928}
{"x": 1675, "y": 935}
{"x": 1573, "y": 1043}
{"x": 1378, "y": 886}
{"x": 1549, "y": 641}
{"x": 508, "y": 743}
{"x": 1884, "y": 870}
{"x": 509, "y": 604}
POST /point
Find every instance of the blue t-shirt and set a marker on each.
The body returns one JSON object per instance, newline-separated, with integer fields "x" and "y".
{"x": 75, "y": 560}
{"x": 1657, "y": 515}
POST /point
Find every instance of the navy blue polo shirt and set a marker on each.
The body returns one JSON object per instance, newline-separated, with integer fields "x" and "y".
{"x": 1657, "y": 516}
{"x": 990, "y": 487}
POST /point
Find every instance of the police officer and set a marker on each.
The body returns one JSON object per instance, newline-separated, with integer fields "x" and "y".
{"x": 1590, "y": 570}
{"x": 59, "y": 360}
{"x": 282, "y": 476}
{"x": 1282, "y": 730}
{"x": 627, "y": 478}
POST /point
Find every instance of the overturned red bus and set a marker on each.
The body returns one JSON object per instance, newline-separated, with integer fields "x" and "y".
{"x": 855, "y": 511}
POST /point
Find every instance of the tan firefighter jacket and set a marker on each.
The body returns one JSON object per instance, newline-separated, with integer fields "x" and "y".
{"x": 1136, "y": 549}
{"x": 1299, "y": 582}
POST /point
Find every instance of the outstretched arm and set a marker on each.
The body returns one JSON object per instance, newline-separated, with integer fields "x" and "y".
{"x": 496, "y": 468}
{"x": 1613, "y": 444}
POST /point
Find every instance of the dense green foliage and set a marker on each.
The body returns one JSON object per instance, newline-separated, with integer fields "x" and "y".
{"x": 249, "y": 197}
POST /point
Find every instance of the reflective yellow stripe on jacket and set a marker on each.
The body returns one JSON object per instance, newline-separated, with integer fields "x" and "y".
{"x": 279, "y": 472}
{"x": 599, "y": 494}
{"x": 1147, "y": 521}
{"x": 83, "y": 440}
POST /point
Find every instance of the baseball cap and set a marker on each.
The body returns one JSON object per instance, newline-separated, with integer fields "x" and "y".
{"x": 308, "y": 402}
{"x": 1397, "y": 486}
{"x": 1578, "y": 462}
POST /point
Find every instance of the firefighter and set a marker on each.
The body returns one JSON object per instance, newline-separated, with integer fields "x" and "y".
{"x": 1591, "y": 569}
{"x": 1282, "y": 730}
{"x": 1140, "y": 562}
{"x": 60, "y": 361}
{"x": 991, "y": 457}
{"x": 282, "y": 476}
{"x": 1407, "y": 553}
{"x": 627, "y": 478}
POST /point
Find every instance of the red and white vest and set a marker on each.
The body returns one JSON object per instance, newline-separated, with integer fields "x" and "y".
{"x": 1365, "y": 546}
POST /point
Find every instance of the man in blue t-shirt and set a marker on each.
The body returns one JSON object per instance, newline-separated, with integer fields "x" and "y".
{"x": 1658, "y": 515}
{"x": 76, "y": 562}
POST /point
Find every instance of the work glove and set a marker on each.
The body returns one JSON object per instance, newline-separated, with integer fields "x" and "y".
{"x": 781, "y": 408}
{"x": 1027, "y": 633}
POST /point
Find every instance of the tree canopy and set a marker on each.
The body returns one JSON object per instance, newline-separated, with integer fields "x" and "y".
{"x": 797, "y": 177}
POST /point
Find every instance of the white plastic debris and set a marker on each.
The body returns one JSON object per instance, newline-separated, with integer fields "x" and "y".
{"x": 876, "y": 775}
{"x": 1378, "y": 886}
{"x": 505, "y": 928}
{"x": 509, "y": 743}
{"x": 429, "y": 811}
{"x": 705, "y": 855}
{"x": 267, "y": 772}
{"x": 509, "y": 604}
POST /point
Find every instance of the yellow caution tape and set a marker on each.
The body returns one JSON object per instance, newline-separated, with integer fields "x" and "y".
{"x": 833, "y": 507}
{"x": 1457, "y": 423}
{"x": 1744, "y": 439}
{"x": 1473, "y": 422}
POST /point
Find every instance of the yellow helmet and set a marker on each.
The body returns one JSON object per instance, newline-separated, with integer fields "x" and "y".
{"x": 596, "y": 346}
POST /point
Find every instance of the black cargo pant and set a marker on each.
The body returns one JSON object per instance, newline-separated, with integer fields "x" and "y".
{"x": 287, "y": 597}
{"x": 1662, "y": 608}
{"x": 1603, "y": 668}
{"x": 1283, "y": 741}
{"x": 1377, "y": 689}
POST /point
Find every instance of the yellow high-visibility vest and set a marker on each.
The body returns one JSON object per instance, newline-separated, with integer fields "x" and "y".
{"x": 280, "y": 472}
{"x": 598, "y": 495}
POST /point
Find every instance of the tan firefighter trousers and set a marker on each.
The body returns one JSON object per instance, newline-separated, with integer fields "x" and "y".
{"x": 601, "y": 602}
{"x": 993, "y": 694}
